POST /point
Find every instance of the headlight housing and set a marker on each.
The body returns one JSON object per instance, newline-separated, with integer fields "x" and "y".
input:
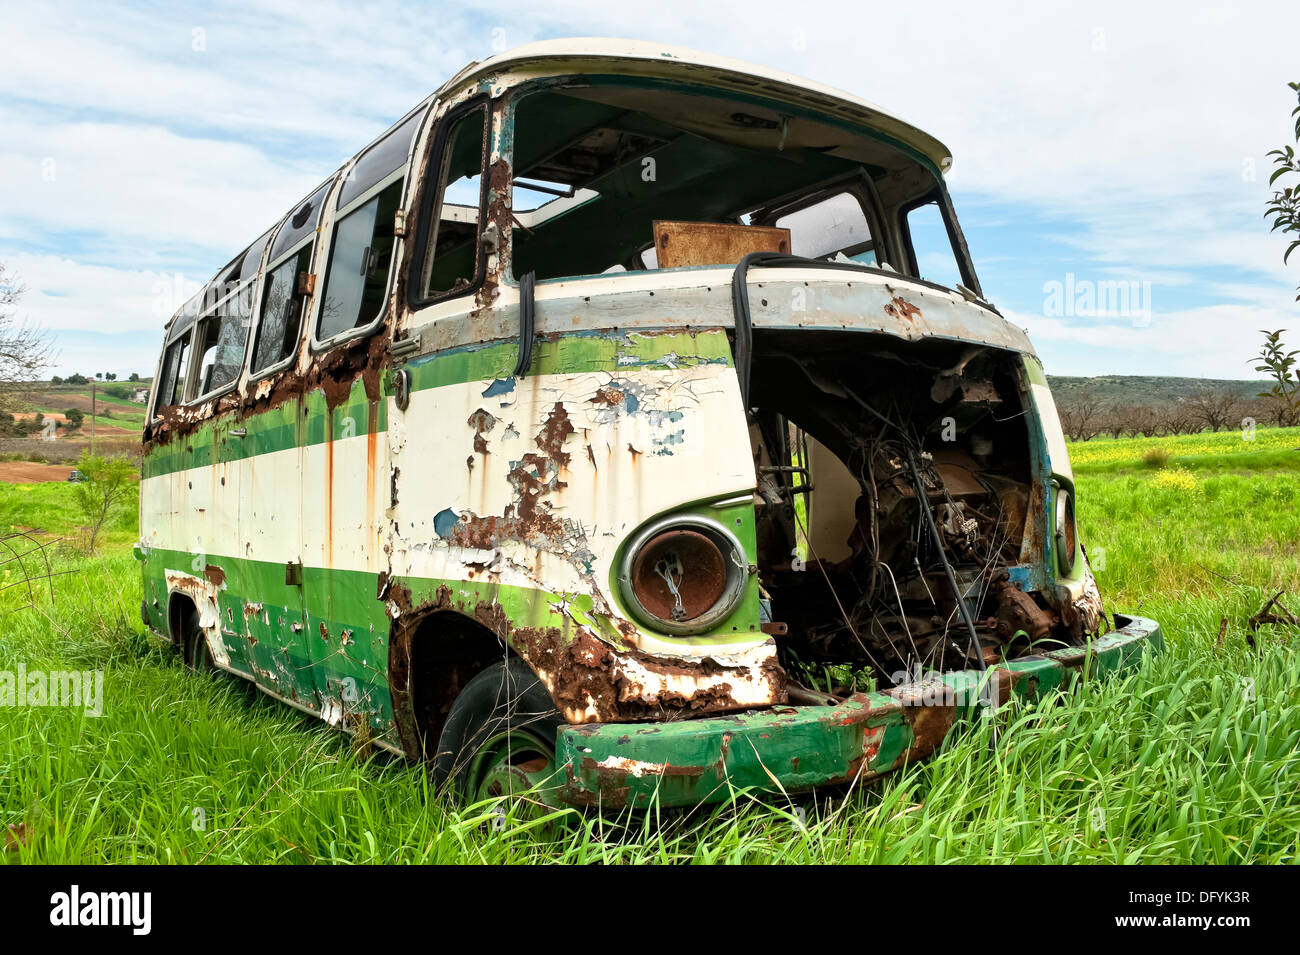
{"x": 1067, "y": 538}
{"x": 683, "y": 574}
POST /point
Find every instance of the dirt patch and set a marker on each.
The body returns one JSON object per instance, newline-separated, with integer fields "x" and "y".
{"x": 29, "y": 472}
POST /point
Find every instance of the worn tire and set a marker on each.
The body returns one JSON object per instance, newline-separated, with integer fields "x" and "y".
{"x": 499, "y": 732}
{"x": 194, "y": 648}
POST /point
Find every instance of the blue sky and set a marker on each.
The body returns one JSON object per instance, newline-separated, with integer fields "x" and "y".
{"x": 143, "y": 146}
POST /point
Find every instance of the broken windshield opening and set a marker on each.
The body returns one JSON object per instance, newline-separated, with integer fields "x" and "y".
{"x": 608, "y": 178}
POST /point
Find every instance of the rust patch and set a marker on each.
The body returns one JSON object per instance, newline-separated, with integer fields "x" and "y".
{"x": 608, "y": 396}
{"x": 589, "y": 679}
{"x": 555, "y": 430}
{"x": 482, "y": 422}
{"x": 214, "y": 575}
{"x": 899, "y": 307}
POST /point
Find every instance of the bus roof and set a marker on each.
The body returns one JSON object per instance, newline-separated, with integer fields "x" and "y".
{"x": 635, "y": 57}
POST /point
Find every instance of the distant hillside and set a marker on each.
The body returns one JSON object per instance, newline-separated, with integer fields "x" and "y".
{"x": 1147, "y": 390}
{"x": 116, "y": 410}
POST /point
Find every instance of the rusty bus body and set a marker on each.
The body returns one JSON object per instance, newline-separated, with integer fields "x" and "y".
{"x": 601, "y": 427}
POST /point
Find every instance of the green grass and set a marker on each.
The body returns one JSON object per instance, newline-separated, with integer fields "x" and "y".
{"x": 1193, "y": 759}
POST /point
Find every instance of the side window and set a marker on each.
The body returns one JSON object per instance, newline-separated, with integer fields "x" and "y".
{"x": 222, "y": 337}
{"x": 360, "y": 257}
{"x": 281, "y": 321}
{"x": 931, "y": 248}
{"x": 171, "y": 389}
{"x": 451, "y": 255}
{"x": 833, "y": 225}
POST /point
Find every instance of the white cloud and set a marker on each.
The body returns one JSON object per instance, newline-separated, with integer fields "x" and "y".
{"x": 1172, "y": 342}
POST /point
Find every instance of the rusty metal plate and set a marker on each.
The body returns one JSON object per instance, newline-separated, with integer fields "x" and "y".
{"x": 679, "y": 244}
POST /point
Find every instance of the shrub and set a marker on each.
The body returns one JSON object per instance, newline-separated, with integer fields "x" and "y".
{"x": 1156, "y": 457}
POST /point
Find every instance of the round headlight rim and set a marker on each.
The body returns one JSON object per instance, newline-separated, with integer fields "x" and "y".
{"x": 1067, "y": 535}
{"x": 733, "y": 591}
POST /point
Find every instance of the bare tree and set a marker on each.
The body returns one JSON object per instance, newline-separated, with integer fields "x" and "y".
{"x": 1215, "y": 408}
{"x": 1113, "y": 422}
{"x": 1143, "y": 420}
{"x": 1179, "y": 418}
{"x": 24, "y": 349}
{"x": 1081, "y": 416}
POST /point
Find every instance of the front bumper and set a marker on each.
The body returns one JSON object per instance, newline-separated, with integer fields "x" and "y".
{"x": 796, "y": 748}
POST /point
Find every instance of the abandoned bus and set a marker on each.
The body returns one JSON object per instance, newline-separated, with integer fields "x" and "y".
{"x": 627, "y": 424}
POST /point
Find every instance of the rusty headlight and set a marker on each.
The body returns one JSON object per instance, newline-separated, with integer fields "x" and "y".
{"x": 683, "y": 574}
{"x": 1067, "y": 538}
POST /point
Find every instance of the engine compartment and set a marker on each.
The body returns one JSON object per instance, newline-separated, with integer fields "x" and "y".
{"x": 862, "y": 588}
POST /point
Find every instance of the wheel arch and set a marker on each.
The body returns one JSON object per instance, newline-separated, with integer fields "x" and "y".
{"x": 431, "y": 658}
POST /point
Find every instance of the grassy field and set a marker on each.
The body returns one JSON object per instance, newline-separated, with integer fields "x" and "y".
{"x": 1193, "y": 759}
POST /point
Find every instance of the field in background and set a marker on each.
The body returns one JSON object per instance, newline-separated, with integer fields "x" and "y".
{"x": 118, "y": 424}
{"x": 1193, "y": 759}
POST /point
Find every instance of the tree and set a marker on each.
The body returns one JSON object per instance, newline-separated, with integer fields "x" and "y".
{"x": 76, "y": 379}
{"x": 1215, "y": 408}
{"x": 1280, "y": 365}
{"x": 1081, "y": 416}
{"x": 109, "y": 484}
{"x": 1178, "y": 418}
{"x": 1284, "y": 206}
{"x": 75, "y": 417}
{"x": 24, "y": 349}
{"x": 135, "y": 376}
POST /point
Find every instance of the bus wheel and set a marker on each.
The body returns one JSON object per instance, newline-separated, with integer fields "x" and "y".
{"x": 499, "y": 737}
{"x": 194, "y": 646}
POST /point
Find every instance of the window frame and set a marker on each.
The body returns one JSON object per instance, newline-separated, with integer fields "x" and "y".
{"x": 326, "y": 251}
{"x": 859, "y": 186}
{"x": 252, "y": 374}
{"x": 187, "y": 337}
{"x": 960, "y": 253}
{"x": 431, "y": 195}
{"x": 209, "y": 315}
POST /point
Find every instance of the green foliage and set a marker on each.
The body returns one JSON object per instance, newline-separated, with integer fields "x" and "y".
{"x": 1281, "y": 366}
{"x": 1284, "y": 206}
{"x": 109, "y": 485}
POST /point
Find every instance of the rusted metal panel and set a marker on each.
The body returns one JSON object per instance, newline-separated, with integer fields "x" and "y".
{"x": 679, "y": 244}
{"x": 794, "y": 749}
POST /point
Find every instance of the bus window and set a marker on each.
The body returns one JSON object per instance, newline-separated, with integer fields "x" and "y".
{"x": 931, "y": 248}
{"x": 380, "y": 160}
{"x": 280, "y": 324}
{"x": 222, "y": 337}
{"x": 452, "y": 257}
{"x": 360, "y": 257}
{"x": 171, "y": 389}
{"x": 836, "y": 224}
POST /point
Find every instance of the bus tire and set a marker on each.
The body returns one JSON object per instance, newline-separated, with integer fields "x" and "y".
{"x": 499, "y": 737}
{"x": 194, "y": 646}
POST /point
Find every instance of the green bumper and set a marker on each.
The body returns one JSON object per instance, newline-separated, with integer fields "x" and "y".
{"x": 795, "y": 748}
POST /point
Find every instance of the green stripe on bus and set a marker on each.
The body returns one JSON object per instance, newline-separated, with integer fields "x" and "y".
{"x": 305, "y": 422}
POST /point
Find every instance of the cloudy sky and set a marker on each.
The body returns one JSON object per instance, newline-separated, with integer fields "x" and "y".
{"x": 142, "y": 146}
